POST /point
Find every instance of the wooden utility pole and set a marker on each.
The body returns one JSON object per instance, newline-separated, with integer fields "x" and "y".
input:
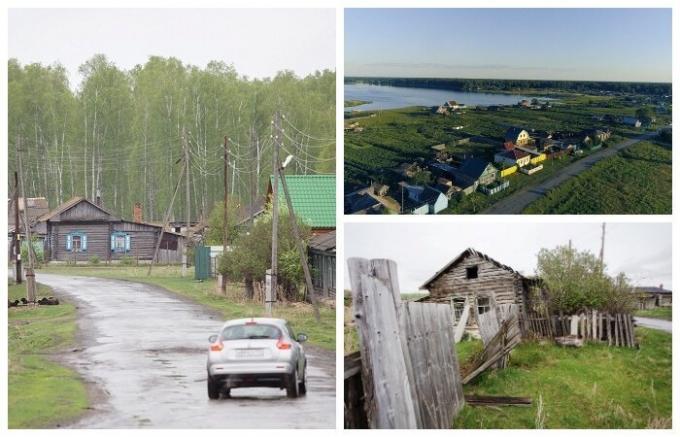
{"x": 298, "y": 243}
{"x": 185, "y": 247}
{"x": 165, "y": 221}
{"x": 16, "y": 242}
{"x": 275, "y": 206}
{"x": 602, "y": 250}
{"x": 30, "y": 274}
{"x": 253, "y": 175}
{"x": 225, "y": 215}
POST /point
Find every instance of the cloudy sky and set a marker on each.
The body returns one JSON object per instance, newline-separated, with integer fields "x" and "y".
{"x": 259, "y": 42}
{"x": 567, "y": 44}
{"x": 641, "y": 251}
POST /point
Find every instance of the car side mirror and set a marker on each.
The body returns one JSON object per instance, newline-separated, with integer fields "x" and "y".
{"x": 212, "y": 338}
{"x": 301, "y": 338}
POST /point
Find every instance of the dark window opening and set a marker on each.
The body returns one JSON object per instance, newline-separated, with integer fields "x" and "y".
{"x": 483, "y": 305}
{"x": 76, "y": 243}
{"x": 458, "y": 307}
{"x": 472, "y": 272}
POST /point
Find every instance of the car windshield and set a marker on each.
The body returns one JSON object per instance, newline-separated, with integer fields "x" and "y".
{"x": 250, "y": 332}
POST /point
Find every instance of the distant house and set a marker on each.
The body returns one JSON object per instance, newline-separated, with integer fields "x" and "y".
{"x": 79, "y": 229}
{"x": 472, "y": 173}
{"x": 452, "y": 104}
{"x": 35, "y": 207}
{"x": 380, "y": 189}
{"x": 652, "y": 297}
{"x": 516, "y": 157}
{"x": 597, "y": 135}
{"x": 422, "y": 200}
{"x": 407, "y": 169}
{"x": 631, "y": 121}
{"x": 517, "y": 136}
{"x": 359, "y": 202}
{"x": 321, "y": 252}
{"x": 312, "y": 197}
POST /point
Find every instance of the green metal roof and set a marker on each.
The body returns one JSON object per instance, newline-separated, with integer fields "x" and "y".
{"x": 313, "y": 198}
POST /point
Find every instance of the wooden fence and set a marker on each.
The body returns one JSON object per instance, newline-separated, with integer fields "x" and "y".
{"x": 489, "y": 324}
{"x": 614, "y": 329}
{"x": 410, "y": 373}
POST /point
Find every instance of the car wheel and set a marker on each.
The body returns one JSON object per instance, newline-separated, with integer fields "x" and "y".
{"x": 213, "y": 389}
{"x": 292, "y": 385}
{"x": 226, "y": 392}
{"x": 302, "y": 387}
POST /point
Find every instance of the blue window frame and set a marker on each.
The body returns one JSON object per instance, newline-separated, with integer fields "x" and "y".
{"x": 76, "y": 241}
{"x": 120, "y": 242}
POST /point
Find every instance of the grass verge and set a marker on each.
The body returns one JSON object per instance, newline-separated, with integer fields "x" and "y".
{"x": 664, "y": 313}
{"x": 592, "y": 387}
{"x": 231, "y": 306}
{"x": 41, "y": 392}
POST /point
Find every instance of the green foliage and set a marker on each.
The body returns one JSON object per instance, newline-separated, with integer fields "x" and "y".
{"x": 576, "y": 281}
{"x": 214, "y": 235}
{"x": 591, "y": 387}
{"x": 638, "y": 180}
{"x": 93, "y": 260}
{"x": 38, "y": 251}
{"x": 646, "y": 114}
{"x": 127, "y": 260}
{"x": 250, "y": 254}
{"x": 129, "y": 124}
{"x": 663, "y": 313}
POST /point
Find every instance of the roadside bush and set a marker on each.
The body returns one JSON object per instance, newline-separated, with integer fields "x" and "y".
{"x": 576, "y": 281}
{"x": 37, "y": 250}
{"x": 127, "y": 260}
{"x": 93, "y": 260}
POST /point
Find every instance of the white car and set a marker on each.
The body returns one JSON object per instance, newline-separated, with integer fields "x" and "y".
{"x": 256, "y": 352}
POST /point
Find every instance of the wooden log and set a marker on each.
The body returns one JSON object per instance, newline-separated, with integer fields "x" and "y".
{"x": 486, "y": 400}
{"x": 460, "y": 327}
{"x": 569, "y": 340}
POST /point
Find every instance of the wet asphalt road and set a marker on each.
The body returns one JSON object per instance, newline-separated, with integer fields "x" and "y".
{"x": 661, "y": 325}
{"x": 143, "y": 350}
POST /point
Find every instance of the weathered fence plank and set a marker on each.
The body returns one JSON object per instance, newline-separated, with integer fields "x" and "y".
{"x": 381, "y": 346}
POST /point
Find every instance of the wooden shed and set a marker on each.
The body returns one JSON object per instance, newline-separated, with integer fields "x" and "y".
{"x": 322, "y": 259}
{"x": 79, "y": 229}
{"x": 479, "y": 280}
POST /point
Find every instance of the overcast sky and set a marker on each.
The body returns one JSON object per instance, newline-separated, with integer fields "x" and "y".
{"x": 259, "y": 42}
{"x": 641, "y": 251}
{"x": 515, "y": 43}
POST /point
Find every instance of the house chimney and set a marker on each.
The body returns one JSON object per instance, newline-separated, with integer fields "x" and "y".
{"x": 137, "y": 212}
{"x": 98, "y": 199}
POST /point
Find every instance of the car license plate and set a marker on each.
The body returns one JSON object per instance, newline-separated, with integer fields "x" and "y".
{"x": 250, "y": 353}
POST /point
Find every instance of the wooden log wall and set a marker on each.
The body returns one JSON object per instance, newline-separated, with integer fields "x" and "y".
{"x": 409, "y": 366}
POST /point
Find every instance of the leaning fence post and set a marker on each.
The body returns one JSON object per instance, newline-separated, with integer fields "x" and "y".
{"x": 375, "y": 297}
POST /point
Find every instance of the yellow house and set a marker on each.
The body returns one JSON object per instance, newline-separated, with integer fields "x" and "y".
{"x": 516, "y": 157}
{"x": 508, "y": 171}
{"x": 538, "y": 158}
{"x": 518, "y": 136}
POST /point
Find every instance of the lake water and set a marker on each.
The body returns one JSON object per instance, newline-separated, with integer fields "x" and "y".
{"x": 390, "y": 97}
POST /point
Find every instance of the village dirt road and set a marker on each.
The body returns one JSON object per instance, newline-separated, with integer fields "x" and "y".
{"x": 661, "y": 325}
{"x": 143, "y": 351}
{"x": 515, "y": 203}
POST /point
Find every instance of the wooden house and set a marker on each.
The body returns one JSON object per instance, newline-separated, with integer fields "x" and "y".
{"x": 479, "y": 280}
{"x": 517, "y": 135}
{"x": 652, "y": 297}
{"x": 35, "y": 207}
{"x": 515, "y": 156}
{"x": 321, "y": 253}
{"x": 79, "y": 229}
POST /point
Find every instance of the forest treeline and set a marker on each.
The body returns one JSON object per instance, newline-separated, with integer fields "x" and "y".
{"x": 509, "y": 85}
{"x": 120, "y": 132}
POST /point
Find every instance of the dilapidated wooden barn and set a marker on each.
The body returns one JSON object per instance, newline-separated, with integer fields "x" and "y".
{"x": 477, "y": 280}
{"x": 79, "y": 229}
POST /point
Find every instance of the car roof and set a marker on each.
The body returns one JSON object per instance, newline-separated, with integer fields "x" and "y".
{"x": 264, "y": 320}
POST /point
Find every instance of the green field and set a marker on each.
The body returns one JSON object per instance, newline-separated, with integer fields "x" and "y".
{"x": 42, "y": 393}
{"x": 592, "y": 387}
{"x": 392, "y": 137}
{"x": 637, "y": 180}
{"x": 664, "y": 313}
{"x": 232, "y": 306}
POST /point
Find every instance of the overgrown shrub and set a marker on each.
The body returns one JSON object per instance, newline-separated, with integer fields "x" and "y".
{"x": 576, "y": 281}
{"x": 93, "y": 260}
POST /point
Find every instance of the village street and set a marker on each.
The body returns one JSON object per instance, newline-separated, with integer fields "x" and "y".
{"x": 661, "y": 325}
{"x": 143, "y": 352}
{"x": 515, "y": 203}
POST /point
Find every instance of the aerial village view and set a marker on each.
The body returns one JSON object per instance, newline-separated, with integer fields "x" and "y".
{"x": 543, "y": 123}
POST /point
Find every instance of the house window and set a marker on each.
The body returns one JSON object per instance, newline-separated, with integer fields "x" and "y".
{"x": 458, "y": 307}
{"x": 472, "y": 272}
{"x": 76, "y": 242}
{"x": 483, "y": 305}
{"x": 120, "y": 242}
